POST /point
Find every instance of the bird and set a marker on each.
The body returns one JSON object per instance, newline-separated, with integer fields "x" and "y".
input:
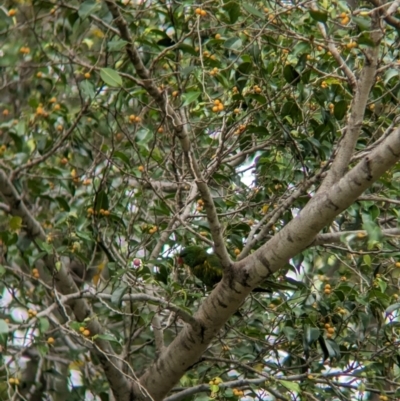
{"x": 208, "y": 268}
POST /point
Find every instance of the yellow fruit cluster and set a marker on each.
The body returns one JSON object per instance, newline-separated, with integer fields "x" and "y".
{"x": 235, "y": 90}
{"x": 84, "y": 331}
{"x": 327, "y": 289}
{"x": 351, "y": 45}
{"x": 200, "y": 205}
{"x": 104, "y": 212}
{"x": 344, "y": 18}
{"x": 200, "y": 12}
{"x": 32, "y": 313}
{"x": 236, "y": 251}
{"x": 329, "y": 330}
{"x": 218, "y": 106}
{"x": 383, "y": 398}
{"x": 24, "y": 50}
{"x": 237, "y": 392}
{"x": 153, "y": 229}
{"x": 134, "y": 119}
{"x": 40, "y": 111}
{"x": 257, "y": 89}
{"x": 14, "y": 381}
{"x": 242, "y": 128}
{"x": 214, "y": 71}
{"x": 207, "y": 54}
{"x": 324, "y": 84}
{"x": 35, "y": 273}
{"x": 331, "y": 108}
{"x": 215, "y": 382}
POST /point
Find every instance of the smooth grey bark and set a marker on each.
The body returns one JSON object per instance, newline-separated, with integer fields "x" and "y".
{"x": 245, "y": 275}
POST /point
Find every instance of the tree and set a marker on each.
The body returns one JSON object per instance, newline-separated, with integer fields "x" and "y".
{"x": 265, "y": 132}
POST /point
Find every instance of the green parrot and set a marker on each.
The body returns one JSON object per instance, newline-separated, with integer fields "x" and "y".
{"x": 208, "y": 269}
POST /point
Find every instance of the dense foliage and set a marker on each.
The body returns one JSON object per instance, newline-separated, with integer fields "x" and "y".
{"x": 93, "y": 132}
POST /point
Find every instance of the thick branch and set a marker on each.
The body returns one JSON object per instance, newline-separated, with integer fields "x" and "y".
{"x": 66, "y": 285}
{"x": 226, "y": 298}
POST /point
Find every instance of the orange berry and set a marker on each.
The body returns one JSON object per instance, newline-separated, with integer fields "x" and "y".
{"x": 141, "y": 168}
{"x": 217, "y": 36}
{"x": 86, "y": 333}
{"x": 57, "y": 107}
{"x": 203, "y": 13}
{"x": 87, "y": 75}
{"x": 5, "y": 112}
{"x": 12, "y": 12}
{"x": 39, "y": 74}
{"x": 175, "y": 93}
{"x": 198, "y": 11}
{"x": 50, "y": 340}
{"x": 215, "y": 109}
{"x": 160, "y": 130}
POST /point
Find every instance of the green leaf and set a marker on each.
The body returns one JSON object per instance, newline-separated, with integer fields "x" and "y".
{"x": 233, "y": 9}
{"x": 87, "y": 89}
{"x": 311, "y": 334}
{"x": 291, "y": 386}
{"x": 43, "y": 324}
{"x": 233, "y": 44}
{"x": 15, "y": 223}
{"x": 101, "y": 201}
{"x": 319, "y": 15}
{"x": 45, "y": 247}
{"x": 333, "y": 349}
{"x": 110, "y": 77}
{"x": 88, "y": 7}
{"x": 190, "y": 97}
{"x": 122, "y": 156}
{"x": 4, "y": 329}
{"x": 291, "y": 75}
{"x": 391, "y": 73}
{"x": 107, "y": 337}
{"x": 250, "y": 9}
{"x": 340, "y": 109}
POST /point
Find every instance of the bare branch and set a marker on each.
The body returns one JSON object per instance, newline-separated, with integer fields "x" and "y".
{"x": 388, "y": 15}
{"x": 180, "y": 129}
{"x": 359, "y": 102}
{"x": 327, "y": 238}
